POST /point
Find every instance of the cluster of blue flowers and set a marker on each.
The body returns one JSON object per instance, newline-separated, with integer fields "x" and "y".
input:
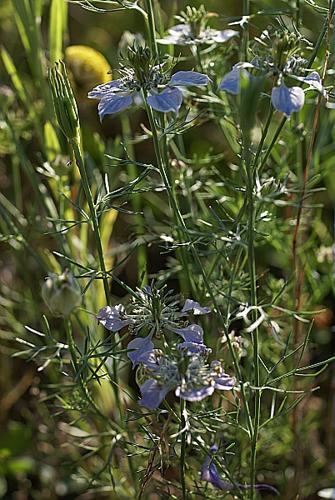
{"x": 285, "y": 99}
{"x": 145, "y": 82}
{"x": 179, "y": 362}
{"x": 279, "y": 63}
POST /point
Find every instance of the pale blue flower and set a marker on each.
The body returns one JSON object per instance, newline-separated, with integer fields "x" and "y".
{"x": 231, "y": 81}
{"x": 191, "y": 379}
{"x": 118, "y": 95}
{"x": 139, "y": 350}
{"x": 152, "y": 309}
{"x": 193, "y": 306}
{"x": 285, "y": 99}
{"x": 113, "y": 318}
{"x": 182, "y": 34}
{"x": 193, "y": 337}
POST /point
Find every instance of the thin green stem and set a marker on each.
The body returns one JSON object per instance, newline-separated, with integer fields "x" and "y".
{"x": 183, "y": 448}
{"x": 152, "y": 27}
{"x": 142, "y": 273}
{"x": 162, "y": 160}
{"x": 297, "y": 13}
{"x": 89, "y": 198}
{"x": 78, "y": 377}
{"x": 75, "y": 143}
{"x": 264, "y": 134}
{"x": 245, "y": 39}
{"x": 253, "y": 303}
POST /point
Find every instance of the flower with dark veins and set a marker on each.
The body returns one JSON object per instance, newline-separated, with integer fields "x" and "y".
{"x": 144, "y": 79}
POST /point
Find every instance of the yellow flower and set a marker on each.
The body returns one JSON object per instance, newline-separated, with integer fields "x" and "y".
{"x": 87, "y": 68}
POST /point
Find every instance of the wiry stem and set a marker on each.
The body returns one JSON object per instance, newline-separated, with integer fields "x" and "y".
{"x": 245, "y": 39}
{"x": 142, "y": 272}
{"x": 75, "y": 143}
{"x": 152, "y": 27}
{"x": 253, "y": 303}
{"x": 183, "y": 448}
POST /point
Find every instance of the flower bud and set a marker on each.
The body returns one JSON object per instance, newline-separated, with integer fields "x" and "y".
{"x": 61, "y": 293}
{"x": 64, "y": 102}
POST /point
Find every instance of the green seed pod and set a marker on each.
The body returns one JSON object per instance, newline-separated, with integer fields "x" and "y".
{"x": 64, "y": 102}
{"x": 61, "y": 293}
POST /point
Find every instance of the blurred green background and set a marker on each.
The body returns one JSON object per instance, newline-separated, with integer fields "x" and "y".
{"x": 39, "y": 453}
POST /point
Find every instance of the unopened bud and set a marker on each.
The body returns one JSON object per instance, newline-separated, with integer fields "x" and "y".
{"x": 64, "y": 102}
{"x": 61, "y": 293}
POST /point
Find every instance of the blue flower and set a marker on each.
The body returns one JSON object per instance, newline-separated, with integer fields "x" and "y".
{"x": 153, "y": 394}
{"x": 210, "y": 474}
{"x": 193, "y": 29}
{"x": 193, "y": 337}
{"x": 182, "y": 34}
{"x": 113, "y": 318}
{"x": 118, "y": 95}
{"x": 189, "y": 376}
{"x": 231, "y": 81}
{"x": 152, "y": 309}
{"x": 285, "y": 99}
{"x": 195, "y": 307}
{"x": 139, "y": 350}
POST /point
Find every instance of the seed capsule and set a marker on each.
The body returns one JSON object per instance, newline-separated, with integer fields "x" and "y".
{"x": 61, "y": 293}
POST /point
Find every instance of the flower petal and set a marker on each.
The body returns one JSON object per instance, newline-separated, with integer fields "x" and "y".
{"x": 210, "y": 474}
{"x": 173, "y": 39}
{"x": 111, "y": 318}
{"x": 168, "y": 100}
{"x": 287, "y": 99}
{"x": 224, "y": 383}
{"x": 195, "y": 307}
{"x": 102, "y": 90}
{"x": 180, "y": 28}
{"x": 224, "y": 36}
{"x": 152, "y": 394}
{"x": 194, "y": 348}
{"x": 231, "y": 81}
{"x": 139, "y": 349}
{"x": 195, "y": 394}
{"x": 114, "y": 103}
{"x": 314, "y": 80}
{"x": 191, "y": 333}
{"x": 184, "y": 78}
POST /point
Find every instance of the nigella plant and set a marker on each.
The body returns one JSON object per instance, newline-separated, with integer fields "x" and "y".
{"x": 188, "y": 374}
{"x": 144, "y": 80}
{"x": 180, "y": 363}
{"x": 155, "y": 312}
{"x": 283, "y": 66}
{"x": 193, "y": 29}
